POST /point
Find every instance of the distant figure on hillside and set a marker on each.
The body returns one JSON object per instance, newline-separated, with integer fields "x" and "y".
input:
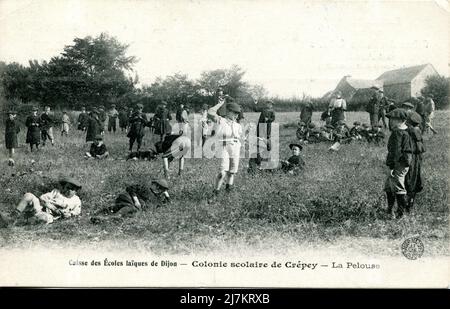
{"x": 83, "y": 120}
{"x": 12, "y": 128}
{"x": 337, "y": 107}
{"x": 65, "y": 124}
{"x": 34, "y": 132}
{"x": 112, "y": 118}
{"x": 46, "y": 126}
{"x": 306, "y": 112}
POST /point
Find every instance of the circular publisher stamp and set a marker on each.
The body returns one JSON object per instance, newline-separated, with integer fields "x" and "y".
{"x": 412, "y": 248}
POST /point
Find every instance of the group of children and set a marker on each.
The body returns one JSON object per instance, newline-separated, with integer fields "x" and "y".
{"x": 63, "y": 202}
{"x": 309, "y": 134}
{"x": 405, "y": 147}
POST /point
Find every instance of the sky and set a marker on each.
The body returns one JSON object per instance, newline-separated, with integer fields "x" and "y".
{"x": 289, "y": 47}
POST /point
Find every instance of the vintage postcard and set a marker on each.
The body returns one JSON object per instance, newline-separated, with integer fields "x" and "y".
{"x": 224, "y": 143}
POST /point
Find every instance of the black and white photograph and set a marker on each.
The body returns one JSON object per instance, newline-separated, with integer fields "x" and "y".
{"x": 283, "y": 144}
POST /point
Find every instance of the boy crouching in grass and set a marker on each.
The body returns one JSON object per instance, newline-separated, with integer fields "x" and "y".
{"x": 398, "y": 160}
{"x": 97, "y": 150}
{"x": 295, "y": 162}
{"x": 61, "y": 202}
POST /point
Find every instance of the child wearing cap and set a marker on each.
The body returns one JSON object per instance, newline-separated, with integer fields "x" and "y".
{"x": 33, "y": 129}
{"x": 83, "y": 120}
{"x": 97, "y": 150}
{"x": 93, "y": 127}
{"x": 61, "y": 202}
{"x": 355, "y": 131}
{"x": 136, "y": 198}
{"x": 46, "y": 126}
{"x": 413, "y": 180}
{"x": 228, "y": 133}
{"x": 138, "y": 122}
{"x": 65, "y": 124}
{"x": 123, "y": 119}
{"x": 112, "y": 118}
{"x": 12, "y": 128}
{"x": 398, "y": 160}
{"x": 295, "y": 162}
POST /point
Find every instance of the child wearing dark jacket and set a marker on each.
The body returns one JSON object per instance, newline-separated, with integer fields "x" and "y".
{"x": 398, "y": 160}
{"x": 295, "y": 162}
{"x": 97, "y": 150}
{"x": 414, "y": 181}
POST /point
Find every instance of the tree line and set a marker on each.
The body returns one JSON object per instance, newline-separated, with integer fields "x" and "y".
{"x": 96, "y": 71}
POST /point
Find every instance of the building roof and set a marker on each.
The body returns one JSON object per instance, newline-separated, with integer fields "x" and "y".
{"x": 363, "y": 83}
{"x": 401, "y": 76}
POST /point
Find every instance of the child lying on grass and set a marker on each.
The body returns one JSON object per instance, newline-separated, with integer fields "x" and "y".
{"x": 61, "y": 202}
{"x": 137, "y": 198}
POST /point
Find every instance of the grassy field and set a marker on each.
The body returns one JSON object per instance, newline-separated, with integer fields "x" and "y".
{"x": 336, "y": 203}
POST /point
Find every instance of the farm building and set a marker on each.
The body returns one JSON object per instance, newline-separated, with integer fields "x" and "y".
{"x": 349, "y": 87}
{"x": 402, "y": 84}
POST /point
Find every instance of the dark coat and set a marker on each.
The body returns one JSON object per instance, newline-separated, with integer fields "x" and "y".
{"x": 399, "y": 149}
{"x": 83, "y": 121}
{"x": 413, "y": 180}
{"x": 46, "y": 122}
{"x": 267, "y": 117}
{"x": 138, "y": 121}
{"x": 34, "y": 131}
{"x": 11, "y": 130}
{"x": 161, "y": 122}
{"x": 93, "y": 129}
{"x": 97, "y": 150}
{"x": 123, "y": 119}
{"x": 373, "y": 106}
{"x": 294, "y": 162}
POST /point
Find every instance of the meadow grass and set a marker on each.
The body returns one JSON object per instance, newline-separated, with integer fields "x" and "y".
{"x": 337, "y": 201}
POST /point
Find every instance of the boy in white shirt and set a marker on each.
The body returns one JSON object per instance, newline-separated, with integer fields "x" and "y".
{"x": 229, "y": 132}
{"x": 53, "y": 205}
